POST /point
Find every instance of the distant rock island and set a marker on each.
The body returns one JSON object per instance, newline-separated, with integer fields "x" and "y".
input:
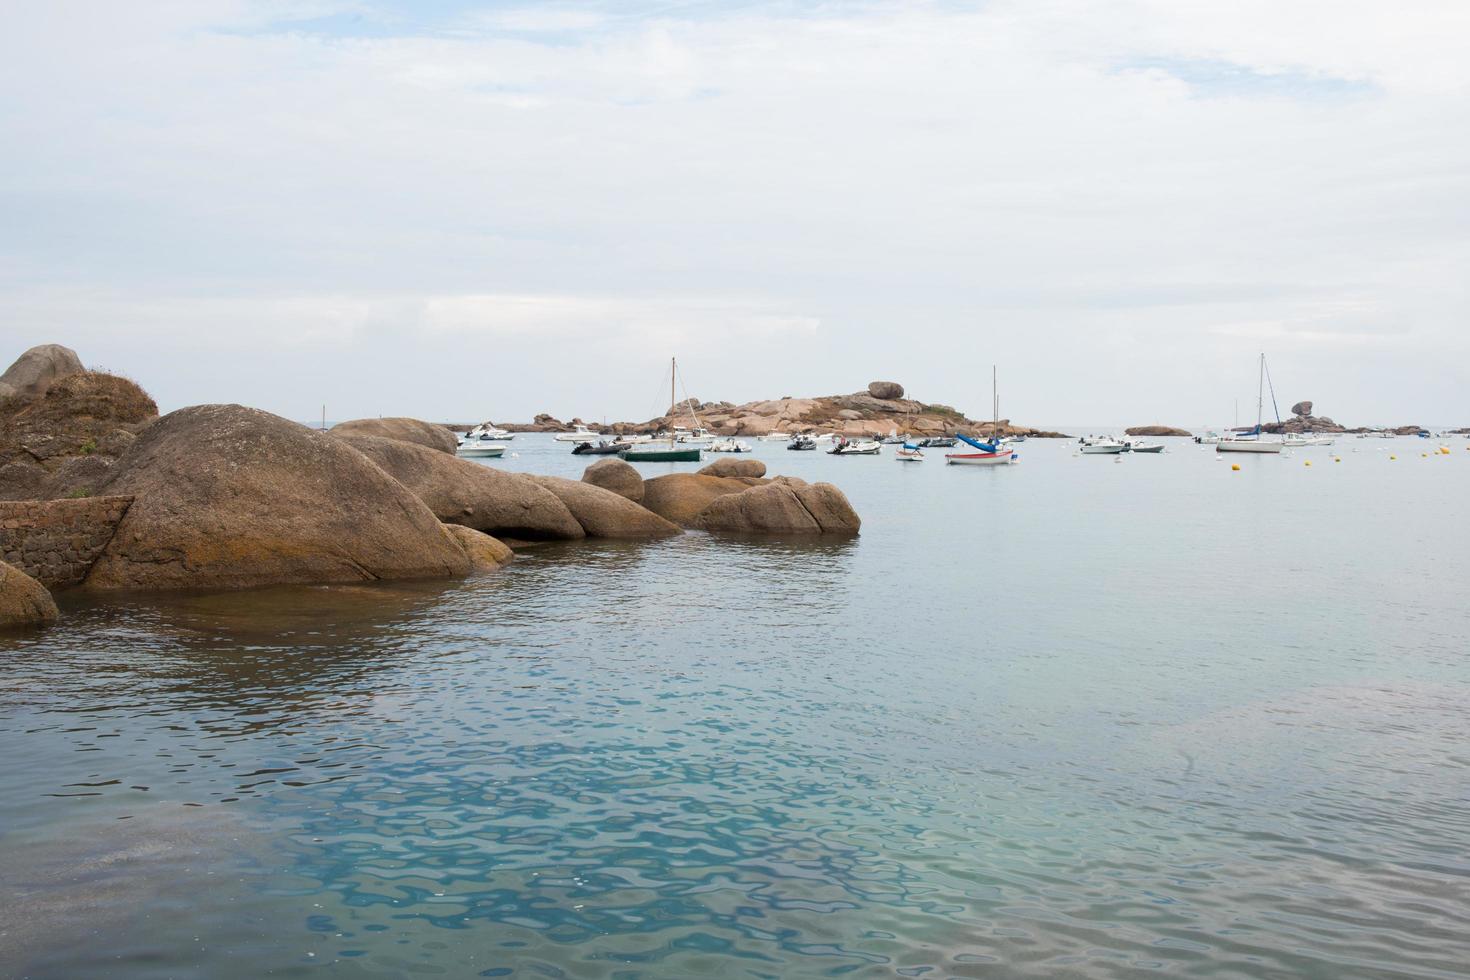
{"x": 878, "y": 410}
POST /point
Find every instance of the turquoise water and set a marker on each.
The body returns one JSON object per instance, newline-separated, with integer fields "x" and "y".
{"x": 1073, "y": 718}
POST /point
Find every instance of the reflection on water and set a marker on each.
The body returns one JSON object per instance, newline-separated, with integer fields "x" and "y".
{"x": 929, "y": 751}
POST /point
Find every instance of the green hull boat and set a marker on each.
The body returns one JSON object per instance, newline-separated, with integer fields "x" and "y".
{"x": 661, "y": 455}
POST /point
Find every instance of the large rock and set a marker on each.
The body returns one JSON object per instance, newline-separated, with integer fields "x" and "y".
{"x": 232, "y": 497}
{"x": 460, "y": 491}
{"x": 735, "y": 467}
{"x": 1302, "y": 408}
{"x": 486, "y": 554}
{"x": 404, "y": 430}
{"x": 23, "y": 600}
{"x": 87, "y": 415}
{"x": 679, "y": 497}
{"x": 35, "y": 370}
{"x": 1156, "y": 430}
{"x": 886, "y": 390}
{"x": 620, "y": 477}
{"x": 786, "y": 505}
{"x": 604, "y": 514}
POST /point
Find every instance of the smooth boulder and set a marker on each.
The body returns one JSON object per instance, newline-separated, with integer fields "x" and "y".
{"x": 735, "y": 466}
{"x": 1302, "y": 408}
{"x": 402, "y": 429}
{"x": 786, "y": 505}
{"x": 886, "y": 390}
{"x": 616, "y": 475}
{"x": 604, "y": 514}
{"x": 486, "y": 554}
{"x": 679, "y": 497}
{"x": 35, "y": 370}
{"x": 460, "y": 491}
{"x": 23, "y": 600}
{"x": 232, "y": 497}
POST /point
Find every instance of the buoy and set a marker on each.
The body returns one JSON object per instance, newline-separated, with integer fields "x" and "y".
{"x": 1235, "y": 466}
{"x": 1393, "y": 457}
{"x": 1337, "y": 459}
{"x": 1307, "y": 463}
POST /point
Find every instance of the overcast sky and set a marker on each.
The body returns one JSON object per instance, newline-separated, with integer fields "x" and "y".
{"x": 485, "y": 210}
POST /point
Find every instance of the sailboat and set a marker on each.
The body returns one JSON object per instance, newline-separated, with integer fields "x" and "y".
{"x": 992, "y": 453}
{"x": 1251, "y": 442}
{"x": 654, "y": 452}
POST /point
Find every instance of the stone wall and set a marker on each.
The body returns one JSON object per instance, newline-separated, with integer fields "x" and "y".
{"x": 55, "y": 542}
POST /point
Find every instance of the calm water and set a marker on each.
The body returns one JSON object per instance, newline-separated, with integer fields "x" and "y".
{"x": 1075, "y": 718}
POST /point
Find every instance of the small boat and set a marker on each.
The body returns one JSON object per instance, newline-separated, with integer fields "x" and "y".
{"x": 682, "y": 434}
{"x": 729, "y": 446}
{"x": 986, "y": 454}
{"x": 1306, "y": 439}
{"x": 602, "y": 448}
{"x": 659, "y": 452}
{"x": 486, "y": 430}
{"x": 481, "y": 449}
{"x": 580, "y": 434}
{"x": 845, "y": 447}
{"x": 802, "y": 443}
{"x": 908, "y": 453}
{"x": 1140, "y": 446}
{"x": 1250, "y": 440}
{"x": 1210, "y": 438}
{"x": 894, "y": 439}
{"x": 776, "y": 436}
{"x": 937, "y": 442}
{"x": 1102, "y": 446}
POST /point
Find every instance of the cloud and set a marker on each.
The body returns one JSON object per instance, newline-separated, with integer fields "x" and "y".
{"x": 359, "y": 181}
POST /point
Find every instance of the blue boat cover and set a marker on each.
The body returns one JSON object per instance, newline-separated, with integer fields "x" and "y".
{"x": 909, "y": 445}
{"x": 984, "y": 447}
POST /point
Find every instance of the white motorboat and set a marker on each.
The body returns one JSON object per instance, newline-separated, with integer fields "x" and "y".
{"x": 580, "y": 434}
{"x": 1208, "y": 439}
{"x": 487, "y": 430}
{"x": 481, "y": 449}
{"x": 1143, "y": 446}
{"x": 682, "y": 434}
{"x": 1306, "y": 439}
{"x": 1102, "y": 446}
{"x": 864, "y": 447}
{"x": 728, "y": 446}
{"x": 775, "y": 436}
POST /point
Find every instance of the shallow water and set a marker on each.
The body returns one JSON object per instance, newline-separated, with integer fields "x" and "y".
{"x": 1076, "y": 717}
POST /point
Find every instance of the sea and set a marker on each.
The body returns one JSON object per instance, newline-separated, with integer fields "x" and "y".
{"x": 1081, "y": 716}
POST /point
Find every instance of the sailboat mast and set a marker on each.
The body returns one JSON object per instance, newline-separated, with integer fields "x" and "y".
{"x": 673, "y": 371}
{"x": 1260, "y": 393}
{"x": 994, "y": 406}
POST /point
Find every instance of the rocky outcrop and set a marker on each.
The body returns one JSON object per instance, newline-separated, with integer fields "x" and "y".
{"x": 783, "y": 506}
{"x": 23, "y": 600}
{"x": 1156, "y": 430}
{"x": 230, "y": 497}
{"x": 886, "y": 390}
{"x": 402, "y": 429}
{"x": 486, "y": 554}
{"x": 604, "y": 514}
{"x": 1304, "y": 423}
{"x": 85, "y": 415}
{"x": 620, "y": 477}
{"x": 56, "y": 542}
{"x": 35, "y": 370}
{"x": 680, "y": 497}
{"x": 460, "y": 491}
{"x": 1302, "y": 408}
{"x": 735, "y": 467}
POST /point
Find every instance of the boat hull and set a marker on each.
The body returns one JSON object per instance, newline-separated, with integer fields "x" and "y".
{"x": 661, "y": 455}
{"x": 481, "y": 452}
{"x": 1102, "y": 450}
{"x": 1247, "y": 447}
{"x": 980, "y": 459}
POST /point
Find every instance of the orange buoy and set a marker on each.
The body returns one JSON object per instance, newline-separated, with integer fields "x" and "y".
{"x": 1235, "y": 466}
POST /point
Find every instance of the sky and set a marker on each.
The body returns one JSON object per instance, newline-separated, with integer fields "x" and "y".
{"x": 460, "y": 211}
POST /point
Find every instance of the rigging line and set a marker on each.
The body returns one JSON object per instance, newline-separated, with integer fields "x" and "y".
{"x": 1272, "y": 388}
{"x": 655, "y": 413}
{"x": 690, "y": 403}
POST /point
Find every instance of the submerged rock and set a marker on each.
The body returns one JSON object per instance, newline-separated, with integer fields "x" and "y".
{"x": 35, "y": 370}
{"x": 616, "y": 475}
{"x": 486, "y": 554}
{"x": 459, "y": 491}
{"x": 403, "y": 429}
{"x": 605, "y": 514}
{"x": 735, "y": 467}
{"x": 231, "y": 497}
{"x": 23, "y": 600}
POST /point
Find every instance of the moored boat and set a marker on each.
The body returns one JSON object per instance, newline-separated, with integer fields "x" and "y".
{"x": 580, "y": 434}
{"x": 1102, "y": 446}
{"x": 481, "y": 449}
{"x": 602, "y": 448}
{"x": 802, "y": 444}
{"x": 670, "y": 452}
{"x": 847, "y": 447}
{"x": 729, "y": 446}
{"x": 908, "y": 453}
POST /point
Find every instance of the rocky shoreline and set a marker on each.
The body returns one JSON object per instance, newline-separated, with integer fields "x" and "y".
{"x": 878, "y": 410}
{"x": 101, "y": 494}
